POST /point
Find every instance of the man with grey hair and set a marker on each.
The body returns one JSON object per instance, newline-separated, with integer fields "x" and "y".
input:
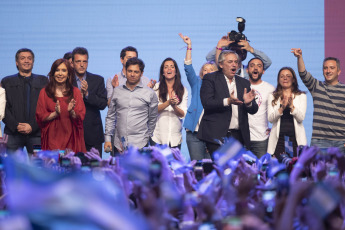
{"x": 227, "y": 99}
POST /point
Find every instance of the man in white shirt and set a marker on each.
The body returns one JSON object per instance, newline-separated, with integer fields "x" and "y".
{"x": 258, "y": 123}
{"x": 227, "y": 99}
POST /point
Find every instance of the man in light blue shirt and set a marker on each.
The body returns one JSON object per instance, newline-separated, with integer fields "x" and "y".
{"x": 120, "y": 78}
{"x": 132, "y": 112}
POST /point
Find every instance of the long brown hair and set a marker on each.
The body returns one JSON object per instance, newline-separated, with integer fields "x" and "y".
{"x": 177, "y": 87}
{"x": 51, "y": 87}
{"x": 278, "y": 92}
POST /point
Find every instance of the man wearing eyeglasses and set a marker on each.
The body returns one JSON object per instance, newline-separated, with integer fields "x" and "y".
{"x": 94, "y": 94}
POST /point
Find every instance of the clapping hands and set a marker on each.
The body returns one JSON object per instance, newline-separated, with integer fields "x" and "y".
{"x": 174, "y": 100}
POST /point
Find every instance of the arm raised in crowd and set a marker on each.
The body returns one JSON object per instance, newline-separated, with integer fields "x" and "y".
{"x": 300, "y": 63}
{"x": 256, "y": 53}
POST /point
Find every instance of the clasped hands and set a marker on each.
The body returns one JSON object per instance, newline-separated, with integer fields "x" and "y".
{"x": 84, "y": 88}
{"x": 248, "y": 97}
{"x": 24, "y": 128}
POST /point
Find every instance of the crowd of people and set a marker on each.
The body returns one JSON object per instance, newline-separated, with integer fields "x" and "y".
{"x": 242, "y": 174}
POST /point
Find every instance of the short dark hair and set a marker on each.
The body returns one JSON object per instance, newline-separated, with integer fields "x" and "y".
{"x": 257, "y": 59}
{"x": 24, "y": 50}
{"x": 128, "y": 48}
{"x": 135, "y": 61}
{"x": 80, "y": 50}
{"x": 332, "y": 59}
{"x": 67, "y": 55}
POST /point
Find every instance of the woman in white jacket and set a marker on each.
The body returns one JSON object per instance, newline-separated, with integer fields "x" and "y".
{"x": 287, "y": 106}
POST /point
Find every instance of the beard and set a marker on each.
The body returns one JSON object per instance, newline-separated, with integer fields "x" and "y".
{"x": 253, "y": 79}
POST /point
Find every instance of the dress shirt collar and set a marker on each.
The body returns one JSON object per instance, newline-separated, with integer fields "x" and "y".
{"x": 233, "y": 81}
{"x": 139, "y": 85}
{"x": 83, "y": 78}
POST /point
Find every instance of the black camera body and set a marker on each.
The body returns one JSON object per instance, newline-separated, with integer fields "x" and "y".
{"x": 237, "y": 37}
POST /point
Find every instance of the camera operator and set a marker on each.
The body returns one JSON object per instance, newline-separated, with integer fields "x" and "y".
{"x": 224, "y": 43}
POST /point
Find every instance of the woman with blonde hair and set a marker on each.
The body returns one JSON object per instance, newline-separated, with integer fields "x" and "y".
{"x": 196, "y": 147}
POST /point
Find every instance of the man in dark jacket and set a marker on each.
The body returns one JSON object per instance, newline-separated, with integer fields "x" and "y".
{"x": 227, "y": 100}
{"x": 22, "y": 91}
{"x": 95, "y": 98}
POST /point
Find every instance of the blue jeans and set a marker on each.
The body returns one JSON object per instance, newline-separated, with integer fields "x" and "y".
{"x": 196, "y": 147}
{"x": 259, "y": 148}
{"x": 16, "y": 142}
{"x": 323, "y": 143}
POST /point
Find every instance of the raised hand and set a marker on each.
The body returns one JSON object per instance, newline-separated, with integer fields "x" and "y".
{"x": 186, "y": 39}
{"x": 57, "y": 107}
{"x": 246, "y": 46}
{"x": 174, "y": 100}
{"x": 115, "y": 81}
{"x": 84, "y": 87}
{"x": 224, "y": 41}
{"x": 248, "y": 97}
{"x": 152, "y": 83}
{"x": 71, "y": 105}
{"x": 297, "y": 52}
{"x": 290, "y": 103}
{"x": 285, "y": 102}
{"x": 307, "y": 155}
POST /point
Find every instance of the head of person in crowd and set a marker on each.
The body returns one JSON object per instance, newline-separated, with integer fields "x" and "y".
{"x": 169, "y": 71}
{"x": 60, "y": 75}
{"x": 286, "y": 80}
{"x": 206, "y": 68}
{"x": 80, "y": 58}
{"x": 255, "y": 70}
{"x": 228, "y": 61}
{"x": 331, "y": 70}
{"x": 134, "y": 70}
{"x": 25, "y": 60}
{"x": 68, "y": 56}
{"x": 127, "y": 53}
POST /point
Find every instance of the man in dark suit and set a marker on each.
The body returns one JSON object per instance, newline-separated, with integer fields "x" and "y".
{"x": 22, "y": 91}
{"x": 95, "y": 98}
{"x": 227, "y": 99}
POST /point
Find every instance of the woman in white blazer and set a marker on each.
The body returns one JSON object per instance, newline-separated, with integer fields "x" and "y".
{"x": 287, "y": 106}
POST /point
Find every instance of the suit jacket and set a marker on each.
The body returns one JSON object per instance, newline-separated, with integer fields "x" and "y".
{"x": 216, "y": 120}
{"x": 15, "y": 103}
{"x": 96, "y": 101}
